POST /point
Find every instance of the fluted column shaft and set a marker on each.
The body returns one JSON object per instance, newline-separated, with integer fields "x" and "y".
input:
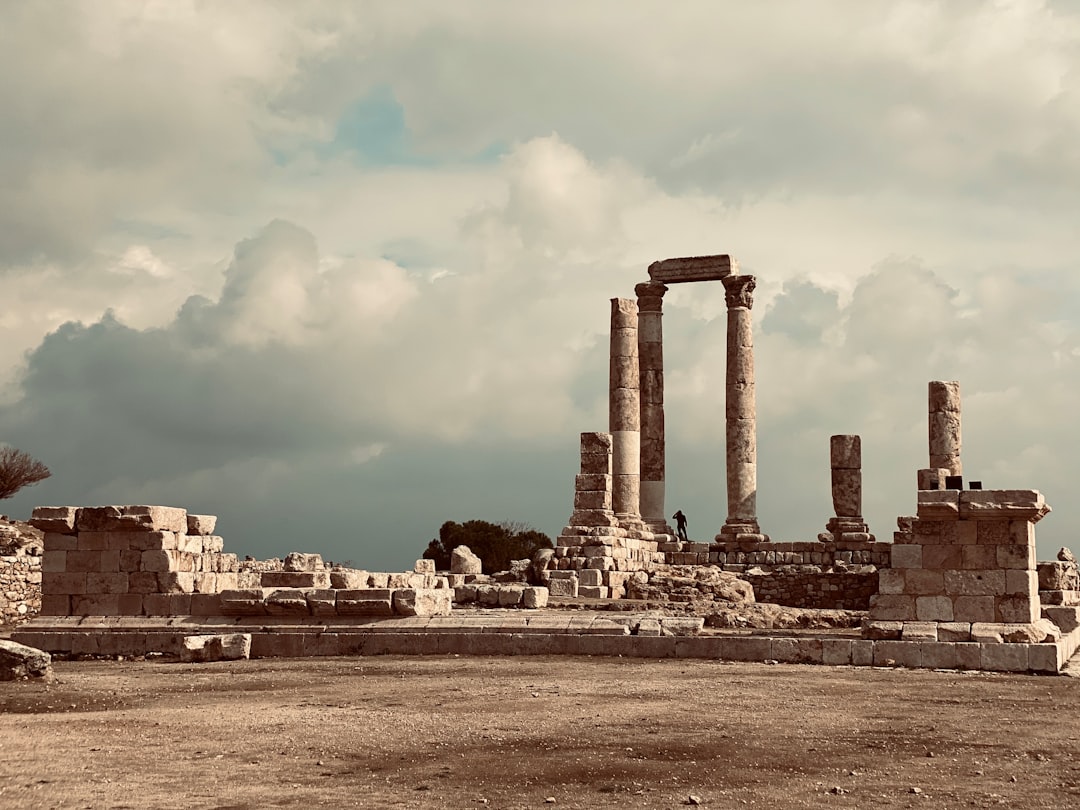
{"x": 624, "y": 411}
{"x": 650, "y": 303}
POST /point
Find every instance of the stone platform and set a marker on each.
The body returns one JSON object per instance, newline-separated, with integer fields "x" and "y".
{"x": 572, "y": 632}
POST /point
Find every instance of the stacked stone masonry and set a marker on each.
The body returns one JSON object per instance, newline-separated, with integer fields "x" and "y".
{"x": 20, "y": 575}
{"x": 161, "y": 561}
{"x": 963, "y": 569}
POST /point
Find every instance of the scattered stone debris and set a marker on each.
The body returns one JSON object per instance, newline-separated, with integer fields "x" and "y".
{"x": 17, "y": 662}
{"x": 204, "y": 649}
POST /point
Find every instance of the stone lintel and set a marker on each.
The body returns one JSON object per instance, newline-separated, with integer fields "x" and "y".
{"x": 693, "y": 268}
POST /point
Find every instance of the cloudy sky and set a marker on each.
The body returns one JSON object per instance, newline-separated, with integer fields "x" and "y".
{"x": 339, "y": 271}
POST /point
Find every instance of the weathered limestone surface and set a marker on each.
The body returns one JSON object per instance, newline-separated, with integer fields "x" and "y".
{"x": 624, "y": 412}
{"x": 206, "y": 648}
{"x": 845, "y": 461}
{"x": 945, "y": 445}
{"x": 463, "y": 561}
{"x": 693, "y": 268}
{"x": 741, "y": 413}
{"x": 18, "y": 661}
{"x": 650, "y": 300}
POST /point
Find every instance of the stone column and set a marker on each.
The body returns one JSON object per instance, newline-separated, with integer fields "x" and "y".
{"x": 650, "y": 302}
{"x": 945, "y": 427}
{"x": 845, "y": 460}
{"x": 741, "y": 414}
{"x": 624, "y": 413}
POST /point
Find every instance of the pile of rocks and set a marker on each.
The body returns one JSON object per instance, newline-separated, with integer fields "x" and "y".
{"x": 20, "y": 571}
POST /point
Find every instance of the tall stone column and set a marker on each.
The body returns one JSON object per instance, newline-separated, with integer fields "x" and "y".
{"x": 650, "y": 303}
{"x": 741, "y": 414}
{"x": 624, "y": 413}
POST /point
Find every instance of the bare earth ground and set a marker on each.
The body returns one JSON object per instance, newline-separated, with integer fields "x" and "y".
{"x": 434, "y": 732}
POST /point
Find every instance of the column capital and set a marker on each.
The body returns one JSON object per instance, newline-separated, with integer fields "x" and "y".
{"x": 739, "y": 291}
{"x": 650, "y": 296}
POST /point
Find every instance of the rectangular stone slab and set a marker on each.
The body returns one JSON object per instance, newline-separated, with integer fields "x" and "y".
{"x": 693, "y": 268}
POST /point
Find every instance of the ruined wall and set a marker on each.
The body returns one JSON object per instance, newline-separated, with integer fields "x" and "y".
{"x": 161, "y": 561}
{"x": 20, "y": 572}
{"x": 823, "y": 590}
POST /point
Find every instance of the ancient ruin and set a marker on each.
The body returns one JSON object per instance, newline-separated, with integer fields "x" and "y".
{"x": 958, "y": 587}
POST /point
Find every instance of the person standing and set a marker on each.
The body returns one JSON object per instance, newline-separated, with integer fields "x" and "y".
{"x": 680, "y": 524}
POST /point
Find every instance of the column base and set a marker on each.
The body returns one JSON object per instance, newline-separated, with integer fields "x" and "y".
{"x": 741, "y": 531}
{"x": 632, "y": 523}
{"x": 846, "y": 530}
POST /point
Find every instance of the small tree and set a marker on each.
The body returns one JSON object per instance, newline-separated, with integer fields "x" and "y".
{"x": 18, "y": 470}
{"x": 495, "y": 544}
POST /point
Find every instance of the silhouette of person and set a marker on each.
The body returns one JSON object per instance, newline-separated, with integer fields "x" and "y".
{"x": 680, "y": 524}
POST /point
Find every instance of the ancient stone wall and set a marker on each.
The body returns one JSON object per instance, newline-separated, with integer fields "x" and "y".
{"x": 814, "y": 588}
{"x": 20, "y": 572}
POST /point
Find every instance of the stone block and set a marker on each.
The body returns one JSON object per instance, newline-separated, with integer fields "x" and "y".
{"x": 348, "y": 579}
{"x": 979, "y": 558}
{"x": 593, "y": 591}
{"x": 975, "y": 583}
{"x": 242, "y": 602}
{"x": 942, "y": 557}
{"x": 1066, "y": 617}
{"x": 746, "y": 648}
{"x": 592, "y": 499}
{"x": 921, "y": 582}
{"x": 287, "y": 602}
{"x": 159, "y": 561}
{"x": 206, "y": 582}
{"x": 229, "y": 647}
{"x": 862, "y": 652}
{"x": 95, "y": 605}
{"x": 897, "y": 654}
{"x": 106, "y": 583}
{"x": 213, "y": 544}
{"x": 989, "y": 632}
{"x": 836, "y": 651}
{"x": 131, "y": 518}
{"x": 463, "y": 561}
{"x": 365, "y": 602}
{"x": 919, "y": 631}
{"x": 892, "y": 607}
{"x": 130, "y": 560}
{"x": 992, "y": 532}
{"x": 1053, "y": 576}
{"x": 53, "y": 541}
{"x": 797, "y": 650}
{"x": 1007, "y": 504}
{"x": 563, "y": 588}
{"x": 534, "y": 598}
{"x": 422, "y": 601}
{"x": 954, "y": 631}
{"x": 189, "y": 543}
{"x": 906, "y": 556}
{"x": 596, "y": 442}
{"x": 129, "y": 604}
{"x": 592, "y": 482}
{"x": 296, "y": 579}
{"x": 1017, "y": 610}
{"x": 938, "y": 504}
{"x": 298, "y": 561}
{"x": 54, "y": 562}
{"x": 933, "y": 609}
{"x": 142, "y": 582}
{"x": 590, "y": 577}
{"x": 974, "y": 609}
{"x": 151, "y": 541}
{"x": 205, "y": 604}
{"x": 938, "y": 655}
{"x": 882, "y": 630}
{"x": 201, "y": 524}
{"x": 167, "y": 604}
{"x": 424, "y": 566}
{"x": 510, "y": 595}
{"x": 54, "y": 519}
{"x": 1004, "y": 657}
{"x": 176, "y": 582}
{"x": 1021, "y": 583}
{"x": 596, "y": 464}
{"x": 1045, "y": 658}
{"x": 70, "y": 583}
{"x": 55, "y": 604}
{"x": 91, "y": 541}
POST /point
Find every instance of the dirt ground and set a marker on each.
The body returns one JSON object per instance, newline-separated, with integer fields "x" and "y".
{"x": 524, "y": 732}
